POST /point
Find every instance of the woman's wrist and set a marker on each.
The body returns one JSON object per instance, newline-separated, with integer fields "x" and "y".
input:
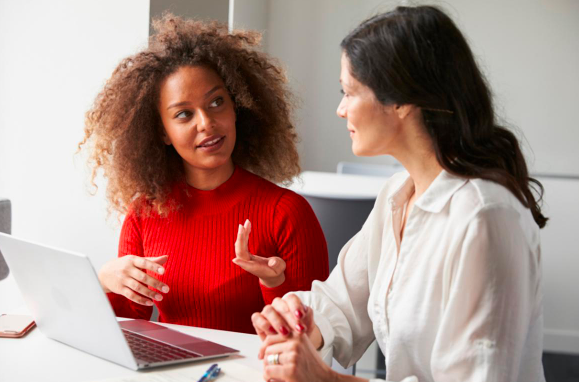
{"x": 273, "y": 281}
{"x": 105, "y": 289}
{"x": 316, "y": 338}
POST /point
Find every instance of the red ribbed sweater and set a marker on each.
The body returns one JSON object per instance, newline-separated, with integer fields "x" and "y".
{"x": 206, "y": 288}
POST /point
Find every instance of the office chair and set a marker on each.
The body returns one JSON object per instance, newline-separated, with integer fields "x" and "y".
{"x": 6, "y": 227}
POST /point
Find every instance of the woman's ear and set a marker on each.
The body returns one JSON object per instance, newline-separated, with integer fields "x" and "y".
{"x": 404, "y": 110}
{"x": 166, "y": 138}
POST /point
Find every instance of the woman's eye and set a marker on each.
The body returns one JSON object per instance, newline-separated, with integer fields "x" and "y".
{"x": 217, "y": 102}
{"x": 183, "y": 114}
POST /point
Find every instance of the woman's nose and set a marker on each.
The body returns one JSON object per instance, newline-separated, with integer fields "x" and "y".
{"x": 204, "y": 120}
{"x": 341, "y": 111}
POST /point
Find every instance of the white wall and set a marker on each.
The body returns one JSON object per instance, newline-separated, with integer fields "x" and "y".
{"x": 250, "y": 14}
{"x": 199, "y": 9}
{"x": 54, "y": 58}
{"x": 528, "y": 49}
{"x": 560, "y": 255}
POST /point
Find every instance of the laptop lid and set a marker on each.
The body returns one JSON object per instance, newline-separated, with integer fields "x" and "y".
{"x": 64, "y": 296}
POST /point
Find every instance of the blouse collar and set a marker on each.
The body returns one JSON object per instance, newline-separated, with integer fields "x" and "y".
{"x": 436, "y": 196}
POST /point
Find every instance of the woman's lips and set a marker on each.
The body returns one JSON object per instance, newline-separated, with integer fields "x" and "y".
{"x": 209, "y": 141}
{"x": 211, "y": 144}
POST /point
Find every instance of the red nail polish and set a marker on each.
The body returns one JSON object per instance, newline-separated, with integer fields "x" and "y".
{"x": 272, "y": 330}
{"x": 284, "y": 331}
{"x": 300, "y": 328}
{"x": 298, "y": 314}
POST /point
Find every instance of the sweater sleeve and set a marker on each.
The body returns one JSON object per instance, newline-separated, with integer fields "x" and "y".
{"x": 301, "y": 243}
{"x": 130, "y": 243}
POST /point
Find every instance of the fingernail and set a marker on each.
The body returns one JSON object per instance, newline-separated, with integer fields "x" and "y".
{"x": 272, "y": 330}
{"x": 160, "y": 271}
{"x": 305, "y": 308}
{"x": 149, "y": 303}
{"x": 300, "y": 328}
{"x": 158, "y": 297}
{"x": 298, "y": 314}
{"x": 165, "y": 289}
{"x": 284, "y": 331}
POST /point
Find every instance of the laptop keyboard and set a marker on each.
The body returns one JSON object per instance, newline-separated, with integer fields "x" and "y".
{"x": 152, "y": 351}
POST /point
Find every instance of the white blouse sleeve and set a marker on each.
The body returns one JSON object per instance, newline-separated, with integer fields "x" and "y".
{"x": 340, "y": 303}
{"x": 493, "y": 281}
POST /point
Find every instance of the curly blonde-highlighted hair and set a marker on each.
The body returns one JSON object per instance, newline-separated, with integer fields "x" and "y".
{"x": 124, "y": 127}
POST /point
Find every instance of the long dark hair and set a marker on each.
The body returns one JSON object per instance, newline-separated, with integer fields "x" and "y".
{"x": 417, "y": 55}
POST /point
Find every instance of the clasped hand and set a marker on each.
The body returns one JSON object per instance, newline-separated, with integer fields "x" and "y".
{"x": 289, "y": 342}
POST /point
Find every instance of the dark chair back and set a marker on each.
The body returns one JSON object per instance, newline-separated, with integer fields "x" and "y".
{"x": 6, "y": 227}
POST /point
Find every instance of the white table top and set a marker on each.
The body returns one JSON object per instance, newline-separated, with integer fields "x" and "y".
{"x": 332, "y": 185}
{"x": 38, "y": 358}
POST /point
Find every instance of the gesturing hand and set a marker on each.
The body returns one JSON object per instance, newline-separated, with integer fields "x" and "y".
{"x": 270, "y": 270}
{"x": 126, "y": 276}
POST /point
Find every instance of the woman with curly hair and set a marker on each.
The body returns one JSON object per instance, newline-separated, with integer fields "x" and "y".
{"x": 191, "y": 133}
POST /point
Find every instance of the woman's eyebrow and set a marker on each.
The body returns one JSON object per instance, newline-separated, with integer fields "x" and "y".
{"x": 183, "y": 103}
{"x": 177, "y": 104}
{"x": 212, "y": 91}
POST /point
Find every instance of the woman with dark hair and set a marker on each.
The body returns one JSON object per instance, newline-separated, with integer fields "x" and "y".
{"x": 191, "y": 133}
{"x": 445, "y": 273}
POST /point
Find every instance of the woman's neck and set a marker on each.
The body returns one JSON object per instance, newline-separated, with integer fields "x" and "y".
{"x": 417, "y": 155}
{"x": 208, "y": 179}
{"x": 423, "y": 171}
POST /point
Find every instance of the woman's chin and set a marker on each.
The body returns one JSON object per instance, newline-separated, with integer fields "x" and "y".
{"x": 358, "y": 150}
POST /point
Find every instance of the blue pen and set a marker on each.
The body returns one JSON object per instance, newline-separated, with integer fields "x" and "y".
{"x": 208, "y": 374}
{"x": 215, "y": 374}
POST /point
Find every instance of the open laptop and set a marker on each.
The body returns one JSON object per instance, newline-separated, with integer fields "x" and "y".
{"x": 64, "y": 296}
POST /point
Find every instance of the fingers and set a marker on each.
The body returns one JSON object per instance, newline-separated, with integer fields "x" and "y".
{"x": 145, "y": 263}
{"x": 293, "y": 311}
{"x": 277, "y": 264}
{"x": 277, "y": 321}
{"x": 144, "y": 278}
{"x": 255, "y": 267}
{"x": 141, "y": 289}
{"x": 269, "y": 341}
{"x": 289, "y": 356}
{"x": 295, "y": 305}
{"x": 262, "y": 325}
{"x": 131, "y": 295}
{"x": 241, "y": 244}
{"x": 159, "y": 259}
{"x": 270, "y": 321}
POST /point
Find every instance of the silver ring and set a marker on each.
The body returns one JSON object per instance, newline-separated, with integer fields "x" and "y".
{"x": 273, "y": 359}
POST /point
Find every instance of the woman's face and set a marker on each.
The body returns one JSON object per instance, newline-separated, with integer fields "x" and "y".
{"x": 373, "y": 127}
{"x": 199, "y": 118}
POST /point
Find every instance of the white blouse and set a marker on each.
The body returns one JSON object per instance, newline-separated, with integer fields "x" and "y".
{"x": 458, "y": 299}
